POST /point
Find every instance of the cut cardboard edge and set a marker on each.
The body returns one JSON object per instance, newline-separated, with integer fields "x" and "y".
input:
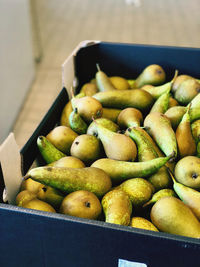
{"x": 10, "y": 159}
{"x": 68, "y": 72}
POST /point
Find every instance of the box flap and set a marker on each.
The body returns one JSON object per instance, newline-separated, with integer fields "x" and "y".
{"x": 10, "y": 159}
{"x": 68, "y": 71}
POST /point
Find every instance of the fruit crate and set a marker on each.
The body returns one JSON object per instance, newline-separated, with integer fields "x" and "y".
{"x": 36, "y": 238}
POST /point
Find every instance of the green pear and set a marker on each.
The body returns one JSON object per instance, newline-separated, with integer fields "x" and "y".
{"x": 68, "y": 180}
{"x": 129, "y": 117}
{"x": 159, "y": 127}
{"x": 153, "y": 74}
{"x": 117, "y": 146}
{"x": 195, "y": 127}
{"x": 87, "y": 148}
{"x": 76, "y": 122}
{"x": 48, "y": 151}
{"x": 111, "y": 113}
{"x": 171, "y": 215}
{"x": 62, "y": 138}
{"x": 187, "y": 172}
{"x": 162, "y": 103}
{"x": 103, "y": 82}
{"x": 69, "y": 162}
{"x": 122, "y": 170}
{"x": 121, "y": 99}
{"x": 92, "y": 128}
{"x": 166, "y": 192}
{"x": 175, "y": 114}
{"x": 119, "y": 83}
{"x": 117, "y": 207}
{"x": 179, "y": 79}
{"x": 139, "y": 191}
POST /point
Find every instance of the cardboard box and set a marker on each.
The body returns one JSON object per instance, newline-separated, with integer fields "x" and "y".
{"x": 36, "y": 238}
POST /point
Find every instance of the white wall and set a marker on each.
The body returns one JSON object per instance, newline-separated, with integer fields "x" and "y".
{"x": 16, "y": 60}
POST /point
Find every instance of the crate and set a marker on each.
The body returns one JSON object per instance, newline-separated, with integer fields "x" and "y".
{"x": 36, "y": 238}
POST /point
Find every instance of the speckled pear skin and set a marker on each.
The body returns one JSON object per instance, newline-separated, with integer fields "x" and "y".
{"x": 68, "y": 180}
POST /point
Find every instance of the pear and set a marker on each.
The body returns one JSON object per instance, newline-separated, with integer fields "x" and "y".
{"x": 159, "y": 127}
{"x": 62, "y": 138}
{"x": 175, "y": 114}
{"x": 152, "y": 74}
{"x": 64, "y": 119}
{"x": 142, "y": 223}
{"x": 88, "y": 107}
{"x": 103, "y": 82}
{"x": 69, "y": 162}
{"x": 195, "y": 127}
{"x": 111, "y": 113}
{"x": 119, "y": 83}
{"x": 103, "y": 121}
{"x": 187, "y": 172}
{"x": 117, "y": 207}
{"x": 48, "y": 151}
{"x": 87, "y": 148}
{"x": 117, "y": 146}
{"x": 30, "y": 185}
{"x": 179, "y": 79}
{"x": 121, "y": 99}
{"x": 89, "y": 89}
{"x": 122, "y": 170}
{"x": 139, "y": 191}
{"x": 185, "y": 141}
{"x": 50, "y": 195}
{"x": 171, "y": 215}
{"x": 189, "y": 196}
{"x": 129, "y": 117}
{"x": 76, "y": 122}
{"x": 186, "y": 91}
{"x": 37, "y": 204}
{"x": 68, "y": 180}
{"x": 162, "y": 103}
{"x": 81, "y": 203}
{"x": 166, "y": 192}
{"x": 172, "y": 102}
{"x": 24, "y": 197}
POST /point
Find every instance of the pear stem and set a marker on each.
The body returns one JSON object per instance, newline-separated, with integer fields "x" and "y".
{"x": 171, "y": 175}
{"x": 175, "y": 75}
{"x": 98, "y": 68}
{"x": 72, "y": 91}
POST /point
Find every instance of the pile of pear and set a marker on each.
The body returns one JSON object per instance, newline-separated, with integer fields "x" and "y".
{"x": 125, "y": 152}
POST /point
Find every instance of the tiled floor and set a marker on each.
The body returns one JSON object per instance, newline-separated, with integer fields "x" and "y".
{"x": 63, "y": 24}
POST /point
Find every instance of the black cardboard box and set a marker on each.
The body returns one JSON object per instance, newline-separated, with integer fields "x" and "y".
{"x": 36, "y": 238}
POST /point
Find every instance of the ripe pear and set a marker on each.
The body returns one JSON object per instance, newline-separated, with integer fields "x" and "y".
{"x": 152, "y": 74}
{"x": 117, "y": 207}
{"x": 139, "y": 191}
{"x": 37, "y": 204}
{"x": 175, "y": 114}
{"x": 195, "y": 127}
{"x": 185, "y": 140}
{"x": 129, "y": 117}
{"x": 68, "y": 180}
{"x": 117, "y": 146}
{"x": 87, "y": 148}
{"x": 88, "y": 107}
{"x": 111, "y": 113}
{"x": 189, "y": 196}
{"x": 122, "y": 170}
{"x": 76, "y": 122}
{"x": 162, "y": 103}
{"x": 171, "y": 215}
{"x": 119, "y": 83}
{"x": 172, "y": 102}
{"x": 69, "y": 162}
{"x": 187, "y": 172}
{"x": 159, "y": 127}
{"x": 186, "y": 91}
{"x": 24, "y": 197}
{"x": 142, "y": 223}
{"x": 89, "y": 89}
{"x": 62, "y": 138}
{"x": 64, "y": 119}
{"x": 121, "y": 99}
{"x": 30, "y": 185}
{"x": 179, "y": 79}
{"x": 50, "y": 195}
{"x": 48, "y": 151}
{"x": 81, "y": 203}
{"x": 103, "y": 121}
